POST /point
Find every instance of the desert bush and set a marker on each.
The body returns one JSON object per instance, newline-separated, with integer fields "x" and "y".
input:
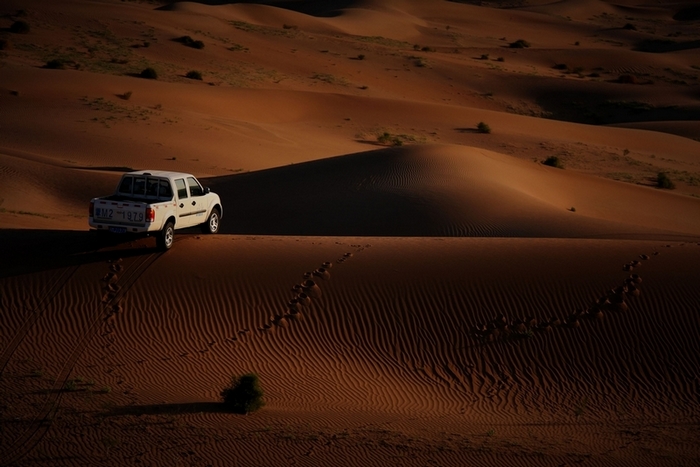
{"x": 501, "y": 59}
{"x": 55, "y": 64}
{"x": 482, "y": 127}
{"x": 126, "y": 96}
{"x": 20, "y": 27}
{"x": 189, "y": 42}
{"x": 663, "y": 181}
{"x": 290, "y": 26}
{"x": 149, "y": 73}
{"x": 553, "y": 161}
{"x": 484, "y": 56}
{"x": 627, "y": 79}
{"x": 630, "y": 27}
{"x": 194, "y": 74}
{"x": 561, "y": 66}
{"x": 389, "y": 139}
{"x": 361, "y": 57}
{"x": 244, "y": 394}
{"x": 519, "y": 44}
{"x": 4, "y": 44}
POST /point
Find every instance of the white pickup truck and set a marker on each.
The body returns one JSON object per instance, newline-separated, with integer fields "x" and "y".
{"x": 156, "y": 203}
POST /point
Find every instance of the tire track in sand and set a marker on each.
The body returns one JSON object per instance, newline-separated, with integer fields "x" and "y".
{"x": 116, "y": 287}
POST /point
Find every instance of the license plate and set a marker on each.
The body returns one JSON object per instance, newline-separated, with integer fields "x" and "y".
{"x": 117, "y": 229}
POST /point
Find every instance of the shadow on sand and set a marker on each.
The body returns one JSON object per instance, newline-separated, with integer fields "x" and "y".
{"x": 170, "y": 409}
{"x": 29, "y": 251}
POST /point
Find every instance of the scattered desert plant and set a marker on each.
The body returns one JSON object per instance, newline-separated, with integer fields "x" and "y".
{"x": 627, "y": 79}
{"x": 106, "y": 389}
{"x": 663, "y": 181}
{"x": 482, "y": 127}
{"x": 519, "y": 44}
{"x": 484, "y": 56}
{"x": 427, "y": 49}
{"x": 126, "y": 96}
{"x": 573, "y": 209}
{"x": 20, "y": 27}
{"x": 561, "y": 66}
{"x": 361, "y": 57}
{"x": 71, "y": 385}
{"x": 194, "y": 74}
{"x": 55, "y": 64}
{"x": 501, "y": 59}
{"x": 149, "y": 73}
{"x": 630, "y": 27}
{"x": 244, "y": 394}
{"x": 421, "y": 63}
{"x": 290, "y": 26}
{"x": 189, "y": 42}
{"x": 389, "y": 139}
{"x": 553, "y": 161}
{"x": 4, "y": 44}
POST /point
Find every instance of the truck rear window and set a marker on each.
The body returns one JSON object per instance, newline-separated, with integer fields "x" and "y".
{"x": 125, "y": 185}
{"x": 149, "y": 187}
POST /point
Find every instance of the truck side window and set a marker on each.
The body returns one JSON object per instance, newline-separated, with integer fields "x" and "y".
{"x": 165, "y": 191}
{"x": 195, "y": 187}
{"x": 181, "y": 188}
{"x": 139, "y": 186}
{"x": 125, "y": 185}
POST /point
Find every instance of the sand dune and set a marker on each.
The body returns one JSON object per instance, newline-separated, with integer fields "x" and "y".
{"x": 409, "y": 289}
{"x": 445, "y": 191}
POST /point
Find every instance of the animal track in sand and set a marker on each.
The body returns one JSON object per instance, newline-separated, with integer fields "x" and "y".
{"x": 615, "y": 300}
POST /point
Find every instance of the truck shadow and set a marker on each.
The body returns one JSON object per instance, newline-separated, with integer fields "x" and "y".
{"x": 29, "y": 251}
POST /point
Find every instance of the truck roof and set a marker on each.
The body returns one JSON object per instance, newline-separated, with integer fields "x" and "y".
{"x": 161, "y": 173}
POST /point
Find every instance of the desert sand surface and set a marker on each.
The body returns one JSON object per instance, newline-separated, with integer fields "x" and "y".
{"x": 410, "y": 290}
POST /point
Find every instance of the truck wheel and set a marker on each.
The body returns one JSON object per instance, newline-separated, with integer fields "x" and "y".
{"x": 211, "y": 226}
{"x": 166, "y": 236}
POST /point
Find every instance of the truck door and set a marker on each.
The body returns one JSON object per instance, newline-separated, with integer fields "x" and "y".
{"x": 198, "y": 201}
{"x": 184, "y": 204}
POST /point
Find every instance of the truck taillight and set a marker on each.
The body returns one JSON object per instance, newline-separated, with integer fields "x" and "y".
{"x": 92, "y": 208}
{"x": 150, "y": 215}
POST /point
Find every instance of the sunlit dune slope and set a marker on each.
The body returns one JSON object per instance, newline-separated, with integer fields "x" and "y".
{"x": 445, "y": 191}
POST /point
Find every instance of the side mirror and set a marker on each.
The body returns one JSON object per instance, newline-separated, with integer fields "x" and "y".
{"x": 207, "y": 190}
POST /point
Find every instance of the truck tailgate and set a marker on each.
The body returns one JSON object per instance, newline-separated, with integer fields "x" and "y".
{"x": 120, "y": 213}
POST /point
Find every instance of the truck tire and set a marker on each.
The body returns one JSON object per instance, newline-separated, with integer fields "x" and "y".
{"x": 165, "y": 237}
{"x": 211, "y": 226}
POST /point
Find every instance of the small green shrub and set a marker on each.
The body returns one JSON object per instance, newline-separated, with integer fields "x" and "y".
{"x": 662, "y": 181}
{"x": 189, "y": 42}
{"x": 194, "y": 74}
{"x": 519, "y": 44}
{"x": 244, "y": 394}
{"x": 149, "y": 73}
{"x": 482, "y": 127}
{"x": 389, "y": 139}
{"x": 553, "y": 161}
{"x": 55, "y": 64}
{"x": 20, "y": 27}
